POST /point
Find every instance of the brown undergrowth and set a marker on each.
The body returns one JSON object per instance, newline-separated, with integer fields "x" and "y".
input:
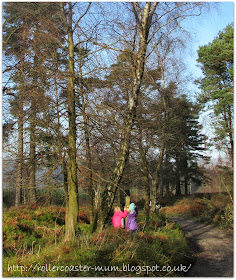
{"x": 33, "y": 246}
{"x": 218, "y": 209}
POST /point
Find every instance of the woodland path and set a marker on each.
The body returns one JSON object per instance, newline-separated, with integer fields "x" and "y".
{"x": 212, "y": 249}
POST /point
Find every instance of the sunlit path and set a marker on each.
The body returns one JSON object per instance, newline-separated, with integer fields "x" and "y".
{"x": 212, "y": 249}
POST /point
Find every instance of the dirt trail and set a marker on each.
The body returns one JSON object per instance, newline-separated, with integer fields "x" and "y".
{"x": 212, "y": 249}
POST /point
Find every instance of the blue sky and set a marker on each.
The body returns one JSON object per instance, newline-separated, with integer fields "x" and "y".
{"x": 217, "y": 20}
{"x": 205, "y": 29}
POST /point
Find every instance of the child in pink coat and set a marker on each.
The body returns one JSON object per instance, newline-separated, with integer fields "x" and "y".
{"x": 117, "y": 217}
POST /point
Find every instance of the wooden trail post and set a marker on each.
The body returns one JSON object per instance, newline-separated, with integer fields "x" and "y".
{"x": 127, "y": 202}
{"x": 127, "y": 198}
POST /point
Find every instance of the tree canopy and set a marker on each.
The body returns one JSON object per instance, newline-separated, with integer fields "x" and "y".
{"x": 93, "y": 103}
{"x": 217, "y": 63}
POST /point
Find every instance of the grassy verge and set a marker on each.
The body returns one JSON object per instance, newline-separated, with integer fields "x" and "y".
{"x": 218, "y": 209}
{"x": 33, "y": 246}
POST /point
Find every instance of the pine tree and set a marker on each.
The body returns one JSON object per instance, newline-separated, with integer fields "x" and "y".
{"x": 186, "y": 143}
{"x": 217, "y": 63}
{"x": 28, "y": 40}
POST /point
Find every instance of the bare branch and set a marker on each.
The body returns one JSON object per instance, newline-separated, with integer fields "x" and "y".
{"x": 81, "y": 17}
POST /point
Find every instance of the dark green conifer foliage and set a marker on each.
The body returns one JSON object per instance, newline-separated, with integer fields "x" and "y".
{"x": 217, "y": 63}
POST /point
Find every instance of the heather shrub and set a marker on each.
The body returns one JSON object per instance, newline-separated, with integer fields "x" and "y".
{"x": 33, "y": 237}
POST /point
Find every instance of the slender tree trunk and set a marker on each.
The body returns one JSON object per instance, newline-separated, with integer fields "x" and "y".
{"x": 20, "y": 154}
{"x": 185, "y": 174}
{"x": 167, "y": 187}
{"x": 186, "y": 185}
{"x": 153, "y": 193}
{"x": 32, "y": 167}
{"x": 228, "y": 124}
{"x": 88, "y": 156}
{"x": 72, "y": 217}
{"x": 65, "y": 175}
{"x": 178, "y": 185}
{"x": 145, "y": 170}
{"x": 168, "y": 173}
{"x": 161, "y": 185}
{"x": 147, "y": 193}
{"x": 24, "y": 196}
{"x": 60, "y": 144}
{"x": 177, "y": 178}
{"x": 19, "y": 178}
{"x": 64, "y": 169}
{"x": 156, "y": 183}
{"x": 127, "y": 198}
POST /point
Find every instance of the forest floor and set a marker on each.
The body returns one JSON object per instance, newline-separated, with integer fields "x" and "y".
{"x": 212, "y": 248}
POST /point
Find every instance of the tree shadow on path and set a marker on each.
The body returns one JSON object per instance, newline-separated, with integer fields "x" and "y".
{"x": 212, "y": 249}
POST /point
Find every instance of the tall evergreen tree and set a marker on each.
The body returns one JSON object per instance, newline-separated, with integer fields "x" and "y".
{"x": 186, "y": 143}
{"x": 15, "y": 45}
{"x": 217, "y": 63}
{"x": 28, "y": 40}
